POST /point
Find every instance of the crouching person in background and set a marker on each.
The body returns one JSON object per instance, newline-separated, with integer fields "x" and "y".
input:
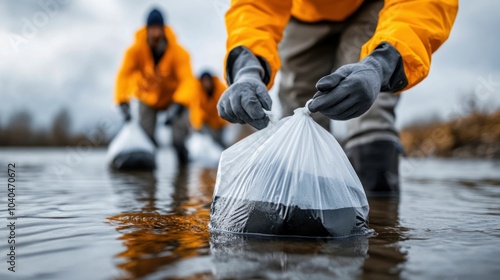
{"x": 204, "y": 116}
{"x": 157, "y": 71}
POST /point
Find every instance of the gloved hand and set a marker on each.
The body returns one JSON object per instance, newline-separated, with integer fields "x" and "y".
{"x": 174, "y": 112}
{"x": 169, "y": 121}
{"x": 125, "y": 108}
{"x": 245, "y": 99}
{"x": 351, "y": 90}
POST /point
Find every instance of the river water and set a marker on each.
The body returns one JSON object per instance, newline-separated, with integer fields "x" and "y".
{"x": 78, "y": 220}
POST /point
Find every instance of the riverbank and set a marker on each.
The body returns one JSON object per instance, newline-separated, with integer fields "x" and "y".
{"x": 474, "y": 136}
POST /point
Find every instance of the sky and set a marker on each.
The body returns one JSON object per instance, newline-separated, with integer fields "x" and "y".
{"x": 65, "y": 53}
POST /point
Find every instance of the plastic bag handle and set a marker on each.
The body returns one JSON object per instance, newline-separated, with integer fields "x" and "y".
{"x": 272, "y": 118}
{"x": 307, "y": 106}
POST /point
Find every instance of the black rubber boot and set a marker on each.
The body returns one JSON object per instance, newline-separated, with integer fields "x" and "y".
{"x": 182, "y": 153}
{"x": 377, "y": 166}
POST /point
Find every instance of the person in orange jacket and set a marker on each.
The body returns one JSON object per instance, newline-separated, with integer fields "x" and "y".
{"x": 157, "y": 71}
{"x": 352, "y": 57}
{"x": 203, "y": 115}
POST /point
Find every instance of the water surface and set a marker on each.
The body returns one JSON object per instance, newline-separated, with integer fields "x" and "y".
{"x": 78, "y": 220}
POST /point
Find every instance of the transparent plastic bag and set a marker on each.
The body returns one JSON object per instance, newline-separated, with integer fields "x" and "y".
{"x": 289, "y": 179}
{"x": 131, "y": 149}
{"x": 203, "y": 150}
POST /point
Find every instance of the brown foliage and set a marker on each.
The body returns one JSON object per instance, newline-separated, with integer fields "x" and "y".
{"x": 477, "y": 135}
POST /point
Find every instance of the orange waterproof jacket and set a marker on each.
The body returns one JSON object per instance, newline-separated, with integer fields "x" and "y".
{"x": 204, "y": 110}
{"x": 170, "y": 81}
{"x": 416, "y": 28}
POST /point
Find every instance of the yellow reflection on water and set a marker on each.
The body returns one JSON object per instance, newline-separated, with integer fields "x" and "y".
{"x": 153, "y": 240}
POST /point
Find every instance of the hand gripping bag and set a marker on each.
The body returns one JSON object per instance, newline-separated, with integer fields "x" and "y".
{"x": 289, "y": 179}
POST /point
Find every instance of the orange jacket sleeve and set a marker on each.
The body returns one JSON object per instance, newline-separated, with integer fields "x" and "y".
{"x": 258, "y": 25}
{"x": 126, "y": 76}
{"x": 185, "y": 94}
{"x": 416, "y": 28}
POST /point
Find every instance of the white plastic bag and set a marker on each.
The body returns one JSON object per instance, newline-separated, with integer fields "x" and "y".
{"x": 131, "y": 149}
{"x": 203, "y": 150}
{"x": 291, "y": 179}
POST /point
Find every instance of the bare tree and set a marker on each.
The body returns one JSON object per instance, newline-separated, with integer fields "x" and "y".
{"x": 19, "y": 131}
{"x": 61, "y": 126}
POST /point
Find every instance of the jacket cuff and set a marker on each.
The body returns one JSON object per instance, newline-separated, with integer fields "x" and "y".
{"x": 233, "y": 56}
{"x": 394, "y": 78}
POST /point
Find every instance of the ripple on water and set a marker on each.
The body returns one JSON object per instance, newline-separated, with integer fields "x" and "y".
{"x": 155, "y": 226}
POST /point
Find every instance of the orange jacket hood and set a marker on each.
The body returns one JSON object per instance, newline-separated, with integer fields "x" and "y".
{"x": 171, "y": 80}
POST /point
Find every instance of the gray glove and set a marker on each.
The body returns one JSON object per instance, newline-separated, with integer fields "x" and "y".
{"x": 125, "y": 108}
{"x": 245, "y": 99}
{"x": 351, "y": 90}
{"x": 174, "y": 112}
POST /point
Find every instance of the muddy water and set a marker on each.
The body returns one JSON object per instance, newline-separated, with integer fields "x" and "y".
{"x": 78, "y": 220}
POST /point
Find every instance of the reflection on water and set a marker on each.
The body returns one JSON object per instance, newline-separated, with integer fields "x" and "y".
{"x": 140, "y": 185}
{"x": 446, "y": 225}
{"x": 250, "y": 257}
{"x": 153, "y": 240}
{"x": 236, "y": 256}
{"x": 386, "y": 254}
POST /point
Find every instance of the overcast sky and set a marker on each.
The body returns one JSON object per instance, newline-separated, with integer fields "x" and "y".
{"x": 66, "y": 54}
